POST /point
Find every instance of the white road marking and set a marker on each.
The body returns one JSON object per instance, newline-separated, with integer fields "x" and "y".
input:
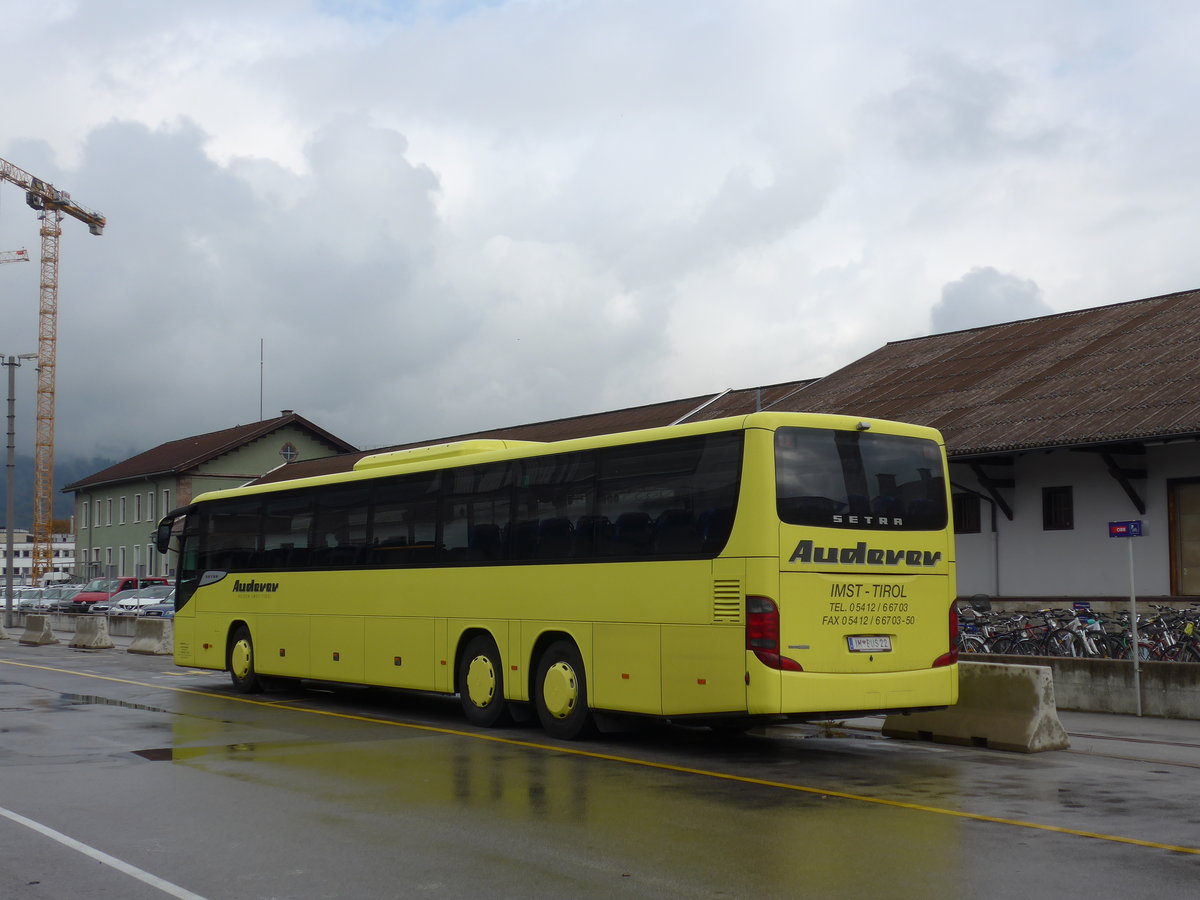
{"x": 133, "y": 871}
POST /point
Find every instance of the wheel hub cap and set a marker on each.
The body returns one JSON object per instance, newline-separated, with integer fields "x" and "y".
{"x": 239, "y": 659}
{"x": 560, "y": 690}
{"x": 481, "y": 681}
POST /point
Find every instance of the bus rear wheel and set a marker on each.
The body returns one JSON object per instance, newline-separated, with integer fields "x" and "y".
{"x": 481, "y": 683}
{"x": 240, "y": 662}
{"x": 560, "y": 692}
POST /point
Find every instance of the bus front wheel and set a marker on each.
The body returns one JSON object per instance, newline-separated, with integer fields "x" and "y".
{"x": 240, "y": 662}
{"x": 561, "y": 692}
{"x": 481, "y": 683}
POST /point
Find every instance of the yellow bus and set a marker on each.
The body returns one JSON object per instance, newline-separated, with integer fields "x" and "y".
{"x": 770, "y": 566}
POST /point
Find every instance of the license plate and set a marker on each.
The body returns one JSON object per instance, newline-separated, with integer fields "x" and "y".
{"x": 870, "y": 643}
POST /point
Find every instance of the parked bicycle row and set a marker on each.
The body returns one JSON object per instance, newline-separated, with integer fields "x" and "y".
{"x": 1166, "y": 634}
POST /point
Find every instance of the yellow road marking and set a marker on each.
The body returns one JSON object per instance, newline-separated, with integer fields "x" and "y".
{"x": 627, "y": 760}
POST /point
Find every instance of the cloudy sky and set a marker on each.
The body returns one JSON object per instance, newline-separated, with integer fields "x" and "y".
{"x": 443, "y": 215}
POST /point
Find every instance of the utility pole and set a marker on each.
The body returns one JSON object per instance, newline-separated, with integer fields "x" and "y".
{"x": 9, "y": 467}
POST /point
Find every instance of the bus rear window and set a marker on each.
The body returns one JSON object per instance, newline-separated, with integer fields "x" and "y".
{"x": 856, "y": 479}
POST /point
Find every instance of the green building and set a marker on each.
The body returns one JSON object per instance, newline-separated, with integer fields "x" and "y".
{"x": 117, "y": 509}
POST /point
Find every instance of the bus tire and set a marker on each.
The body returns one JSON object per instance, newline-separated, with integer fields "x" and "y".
{"x": 481, "y": 683}
{"x": 560, "y": 692}
{"x": 239, "y": 659}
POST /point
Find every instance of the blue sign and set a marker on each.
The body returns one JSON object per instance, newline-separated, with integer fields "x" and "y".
{"x": 1125, "y": 529}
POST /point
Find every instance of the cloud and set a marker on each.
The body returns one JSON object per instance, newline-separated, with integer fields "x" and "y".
{"x": 446, "y": 215}
{"x": 985, "y": 296}
{"x": 376, "y": 322}
{"x": 955, "y": 110}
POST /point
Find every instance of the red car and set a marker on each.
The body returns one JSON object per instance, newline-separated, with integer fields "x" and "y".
{"x": 102, "y": 588}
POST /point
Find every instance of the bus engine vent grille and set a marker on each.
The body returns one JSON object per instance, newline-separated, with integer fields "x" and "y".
{"x": 727, "y": 600}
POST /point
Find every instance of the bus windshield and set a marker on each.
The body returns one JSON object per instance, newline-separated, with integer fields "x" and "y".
{"x": 856, "y": 479}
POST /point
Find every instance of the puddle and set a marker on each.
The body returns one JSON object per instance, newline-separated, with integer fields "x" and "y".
{"x": 66, "y": 700}
{"x": 162, "y": 754}
{"x": 242, "y": 750}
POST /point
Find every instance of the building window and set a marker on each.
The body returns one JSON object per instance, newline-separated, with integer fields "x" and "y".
{"x": 150, "y": 506}
{"x": 1058, "y": 509}
{"x": 122, "y": 511}
{"x": 108, "y": 511}
{"x": 137, "y": 507}
{"x": 83, "y": 515}
{"x": 96, "y": 517}
{"x": 166, "y": 506}
{"x": 966, "y": 514}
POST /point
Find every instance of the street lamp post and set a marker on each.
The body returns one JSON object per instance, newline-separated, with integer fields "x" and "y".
{"x": 10, "y": 466}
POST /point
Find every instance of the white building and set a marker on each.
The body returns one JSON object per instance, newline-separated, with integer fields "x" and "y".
{"x": 62, "y": 558}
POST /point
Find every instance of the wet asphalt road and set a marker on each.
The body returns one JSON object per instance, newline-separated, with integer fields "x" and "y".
{"x": 124, "y": 776}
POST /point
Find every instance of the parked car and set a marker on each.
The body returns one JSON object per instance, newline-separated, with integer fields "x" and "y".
{"x": 102, "y": 607}
{"x": 131, "y": 603}
{"x": 165, "y": 610}
{"x": 59, "y": 599}
{"x": 26, "y": 599}
{"x": 102, "y": 588}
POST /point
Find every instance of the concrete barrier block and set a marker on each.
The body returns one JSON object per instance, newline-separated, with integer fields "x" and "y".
{"x": 38, "y": 631}
{"x": 153, "y": 637}
{"x": 1001, "y": 707}
{"x": 91, "y": 633}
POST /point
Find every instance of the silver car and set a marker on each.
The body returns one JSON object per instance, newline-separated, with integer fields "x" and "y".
{"x": 131, "y": 603}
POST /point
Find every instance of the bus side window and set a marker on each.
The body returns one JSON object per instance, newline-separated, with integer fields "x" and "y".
{"x": 287, "y": 526}
{"x": 340, "y": 527}
{"x": 402, "y": 529}
{"x": 552, "y": 493}
{"x": 652, "y": 492}
{"x": 230, "y": 540}
{"x": 476, "y": 496}
{"x": 675, "y": 532}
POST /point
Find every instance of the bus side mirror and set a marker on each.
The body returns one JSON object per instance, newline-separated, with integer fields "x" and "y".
{"x": 162, "y": 537}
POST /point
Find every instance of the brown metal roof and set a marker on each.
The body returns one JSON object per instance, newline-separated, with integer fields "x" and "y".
{"x": 178, "y": 456}
{"x": 1130, "y": 371}
{"x": 654, "y": 415}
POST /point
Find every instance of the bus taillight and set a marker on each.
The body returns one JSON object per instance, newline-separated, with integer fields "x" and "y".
{"x": 949, "y": 659}
{"x": 762, "y": 634}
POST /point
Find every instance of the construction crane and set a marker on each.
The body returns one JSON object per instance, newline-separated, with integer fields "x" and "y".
{"x": 7, "y": 256}
{"x": 51, "y": 204}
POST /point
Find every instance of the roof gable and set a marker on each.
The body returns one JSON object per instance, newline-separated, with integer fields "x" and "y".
{"x": 185, "y": 454}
